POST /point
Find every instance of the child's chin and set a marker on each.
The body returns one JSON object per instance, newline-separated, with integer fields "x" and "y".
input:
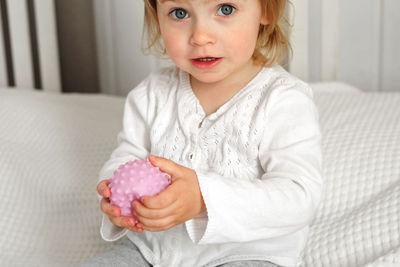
{"x": 206, "y": 77}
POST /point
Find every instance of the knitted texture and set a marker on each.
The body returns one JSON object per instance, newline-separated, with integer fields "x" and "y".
{"x": 133, "y": 180}
{"x": 235, "y": 151}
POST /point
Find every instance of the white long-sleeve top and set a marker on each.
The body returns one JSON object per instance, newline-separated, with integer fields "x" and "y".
{"x": 257, "y": 159}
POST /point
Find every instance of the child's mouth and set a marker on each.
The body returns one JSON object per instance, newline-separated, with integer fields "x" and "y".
{"x": 206, "y": 59}
{"x": 206, "y": 62}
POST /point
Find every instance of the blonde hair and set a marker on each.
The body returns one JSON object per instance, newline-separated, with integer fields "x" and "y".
{"x": 272, "y": 43}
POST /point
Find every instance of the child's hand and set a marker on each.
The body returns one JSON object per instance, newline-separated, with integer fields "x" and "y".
{"x": 179, "y": 202}
{"x": 114, "y": 212}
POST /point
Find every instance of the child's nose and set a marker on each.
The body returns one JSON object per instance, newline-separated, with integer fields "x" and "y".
{"x": 202, "y": 35}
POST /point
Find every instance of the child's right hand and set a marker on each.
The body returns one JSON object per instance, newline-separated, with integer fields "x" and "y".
{"x": 114, "y": 212}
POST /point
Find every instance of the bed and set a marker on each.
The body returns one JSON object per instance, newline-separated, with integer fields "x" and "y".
{"x": 52, "y": 147}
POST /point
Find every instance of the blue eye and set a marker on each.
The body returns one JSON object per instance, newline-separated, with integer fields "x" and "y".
{"x": 179, "y": 13}
{"x": 226, "y": 10}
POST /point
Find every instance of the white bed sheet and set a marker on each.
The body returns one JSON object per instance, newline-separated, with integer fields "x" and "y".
{"x": 52, "y": 147}
{"x": 358, "y": 221}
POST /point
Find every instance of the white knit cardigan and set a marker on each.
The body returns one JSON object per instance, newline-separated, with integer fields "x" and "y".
{"x": 257, "y": 158}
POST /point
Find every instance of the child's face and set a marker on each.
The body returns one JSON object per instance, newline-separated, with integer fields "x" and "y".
{"x": 211, "y": 40}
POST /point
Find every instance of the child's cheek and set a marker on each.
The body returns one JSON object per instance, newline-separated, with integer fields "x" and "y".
{"x": 242, "y": 43}
{"x": 173, "y": 44}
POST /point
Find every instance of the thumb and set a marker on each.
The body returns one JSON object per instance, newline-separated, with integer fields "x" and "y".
{"x": 165, "y": 165}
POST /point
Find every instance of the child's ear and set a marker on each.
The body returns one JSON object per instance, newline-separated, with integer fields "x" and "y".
{"x": 264, "y": 20}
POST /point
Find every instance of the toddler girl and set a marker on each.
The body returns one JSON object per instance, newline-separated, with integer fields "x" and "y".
{"x": 238, "y": 135}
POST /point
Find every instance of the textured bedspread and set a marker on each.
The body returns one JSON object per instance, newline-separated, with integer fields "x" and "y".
{"x": 358, "y": 221}
{"x": 51, "y": 150}
{"x": 52, "y": 147}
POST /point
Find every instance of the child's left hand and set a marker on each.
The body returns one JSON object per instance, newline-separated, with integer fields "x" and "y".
{"x": 179, "y": 202}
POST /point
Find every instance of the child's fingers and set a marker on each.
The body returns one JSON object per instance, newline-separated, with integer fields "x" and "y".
{"x": 126, "y": 222}
{"x": 114, "y": 214}
{"x": 103, "y": 189}
{"x": 167, "y": 166}
{"x": 109, "y": 209}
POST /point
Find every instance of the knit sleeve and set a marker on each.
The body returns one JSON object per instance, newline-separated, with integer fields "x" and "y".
{"x": 133, "y": 143}
{"x": 284, "y": 198}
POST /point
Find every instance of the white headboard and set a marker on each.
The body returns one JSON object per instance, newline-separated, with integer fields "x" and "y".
{"x": 311, "y": 21}
{"x": 28, "y": 45}
{"x": 355, "y": 41}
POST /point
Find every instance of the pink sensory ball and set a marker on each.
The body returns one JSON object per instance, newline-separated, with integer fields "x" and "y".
{"x": 133, "y": 180}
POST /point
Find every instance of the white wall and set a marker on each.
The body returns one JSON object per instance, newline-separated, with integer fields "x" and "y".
{"x": 122, "y": 65}
{"x": 352, "y": 41}
{"x": 355, "y": 41}
{"x": 390, "y": 66}
{"x": 360, "y": 43}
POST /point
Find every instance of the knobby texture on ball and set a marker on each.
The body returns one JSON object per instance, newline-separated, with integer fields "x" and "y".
{"x": 133, "y": 180}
